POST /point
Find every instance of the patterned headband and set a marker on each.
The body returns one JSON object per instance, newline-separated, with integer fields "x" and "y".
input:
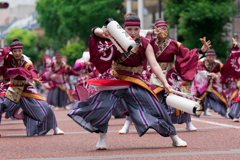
{"x": 132, "y": 23}
{"x": 17, "y": 46}
{"x": 160, "y": 23}
{"x": 210, "y": 54}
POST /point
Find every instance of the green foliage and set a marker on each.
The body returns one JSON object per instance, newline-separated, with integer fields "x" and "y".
{"x": 51, "y": 22}
{"x": 28, "y": 40}
{"x": 66, "y": 19}
{"x": 73, "y": 51}
{"x": 201, "y": 18}
{"x": 47, "y": 42}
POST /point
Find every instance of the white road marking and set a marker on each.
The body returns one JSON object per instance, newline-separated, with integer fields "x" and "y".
{"x": 114, "y": 131}
{"x": 215, "y": 123}
{"x": 131, "y": 156}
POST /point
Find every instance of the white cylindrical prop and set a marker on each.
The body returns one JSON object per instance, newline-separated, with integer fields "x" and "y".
{"x": 183, "y": 104}
{"x": 121, "y": 36}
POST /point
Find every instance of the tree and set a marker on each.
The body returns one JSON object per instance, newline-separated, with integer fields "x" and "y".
{"x": 75, "y": 18}
{"x": 28, "y": 40}
{"x": 201, "y": 18}
{"x": 47, "y": 42}
{"x": 73, "y": 51}
{"x": 51, "y": 22}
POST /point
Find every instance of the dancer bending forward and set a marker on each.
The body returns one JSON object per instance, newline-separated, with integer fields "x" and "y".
{"x": 94, "y": 113}
{"x": 19, "y": 92}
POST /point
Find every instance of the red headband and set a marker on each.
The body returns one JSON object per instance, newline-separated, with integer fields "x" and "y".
{"x": 17, "y": 46}
{"x": 160, "y": 24}
{"x": 132, "y": 23}
{"x": 210, "y": 54}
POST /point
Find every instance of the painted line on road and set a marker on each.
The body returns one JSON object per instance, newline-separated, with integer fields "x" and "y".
{"x": 113, "y": 131}
{"x": 21, "y": 122}
{"x": 216, "y": 123}
{"x": 17, "y": 122}
{"x": 233, "y": 151}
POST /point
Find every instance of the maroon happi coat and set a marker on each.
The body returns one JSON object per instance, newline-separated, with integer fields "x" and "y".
{"x": 62, "y": 71}
{"x": 231, "y": 69}
{"x": 24, "y": 72}
{"x": 231, "y": 74}
{"x": 103, "y": 53}
{"x": 185, "y": 64}
{"x": 202, "y": 81}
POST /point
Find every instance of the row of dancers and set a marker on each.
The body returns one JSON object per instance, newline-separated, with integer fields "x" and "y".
{"x": 121, "y": 83}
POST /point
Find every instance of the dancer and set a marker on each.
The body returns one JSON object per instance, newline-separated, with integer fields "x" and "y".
{"x": 94, "y": 113}
{"x": 58, "y": 94}
{"x": 19, "y": 91}
{"x": 208, "y": 86}
{"x": 230, "y": 75}
{"x": 89, "y": 71}
{"x": 185, "y": 67}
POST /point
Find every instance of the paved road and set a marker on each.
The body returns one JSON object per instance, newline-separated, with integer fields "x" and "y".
{"x": 216, "y": 138}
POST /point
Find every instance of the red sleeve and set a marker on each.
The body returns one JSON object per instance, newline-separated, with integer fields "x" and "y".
{"x": 32, "y": 71}
{"x": 71, "y": 71}
{"x": 21, "y": 73}
{"x": 25, "y": 72}
{"x": 4, "y": 54}
{"x": 94, "y": 72}
{"x": 200, "y": 66}
{"x": 61, "y": 70}
{"x": 102, "y": 53}
{"x": 40, "y": 75}
{"x": 3, "y": 70}
{"x": 231, "y": 68}
{"x": 186, "y": 62}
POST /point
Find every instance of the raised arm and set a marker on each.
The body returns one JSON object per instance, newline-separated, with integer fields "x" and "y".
{"x": 100, "y": 33}
{"x": 71, "y": 71}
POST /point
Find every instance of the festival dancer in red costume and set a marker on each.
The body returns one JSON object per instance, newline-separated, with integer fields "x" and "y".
{"x": 88, "y": 71}
{"x": 185, "y": 67}
{"x": 18, "y": 91}
{"x": 127, "y": 84}
{"x": 208, "y": 86}
{"x": 230, "y": 74}
{"x": 56, "y": 75}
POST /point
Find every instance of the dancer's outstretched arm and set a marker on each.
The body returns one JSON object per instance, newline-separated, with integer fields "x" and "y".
{"x": 156, "y": 68}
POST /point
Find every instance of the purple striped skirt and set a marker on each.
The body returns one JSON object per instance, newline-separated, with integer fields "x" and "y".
{"x": 234, "y": 110}
{"x": 94, "y": 113}
{"x": 57, "y": 97}
{"x": 213, "y": 102}
{"x": 38, "y": 115}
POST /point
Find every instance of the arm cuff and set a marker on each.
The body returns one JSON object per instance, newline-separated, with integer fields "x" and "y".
{"x": 94, "y": 30}
{"x": 200, "y": 51}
